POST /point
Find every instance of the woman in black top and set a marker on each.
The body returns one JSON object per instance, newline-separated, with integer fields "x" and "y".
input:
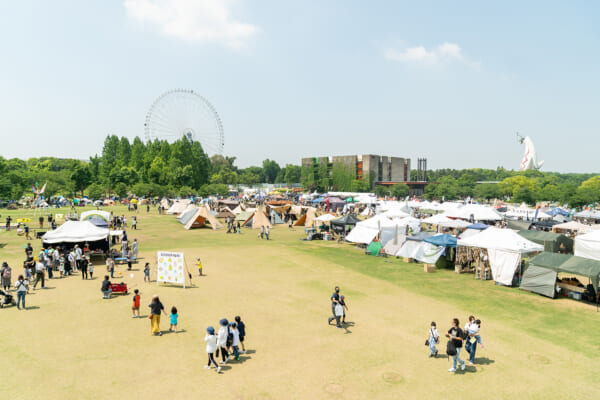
{"x": 155, "y": 308}
{"x": 455, "y": 334}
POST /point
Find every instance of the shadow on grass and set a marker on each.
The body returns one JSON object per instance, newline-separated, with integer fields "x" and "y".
{"x": 484, "y": 361}
{"x": 31, "y": 308}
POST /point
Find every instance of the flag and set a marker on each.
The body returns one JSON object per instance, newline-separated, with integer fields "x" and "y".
{"x": 327, "y": 202}
{"x": 43, "y": 189}
{"x": 33, "y": 188}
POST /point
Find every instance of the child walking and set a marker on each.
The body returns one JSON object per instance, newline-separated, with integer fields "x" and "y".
{"x": 235, "y": 343}
{"x": 211, "y": 347}
{"x": 345, "y": 308}
{"x": 434, "y": 337}
{"x": 199, "y": 266}
{"x": 147, "y": 272}
{"x": 242, "y": 332}
{"x": 135, "y": 308}
{"x": 91, "y": 270}
{"x": 173, "y": 317}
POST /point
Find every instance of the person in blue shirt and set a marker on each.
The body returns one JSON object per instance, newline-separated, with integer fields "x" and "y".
{"x": 335, "y": 299}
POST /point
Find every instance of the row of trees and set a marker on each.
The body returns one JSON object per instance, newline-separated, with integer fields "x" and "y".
{"x": 182, "y": 168}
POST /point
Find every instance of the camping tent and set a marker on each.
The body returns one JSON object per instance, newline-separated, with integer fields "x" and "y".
{"x": 257, "y": 219}
{"x": 377, "y": 222}
{"x": 361, "y": 234}
{"x": 243, "y": 216}
{"x": 226, "y": 213}
{"x": 504, "y": 248}
{"x": 179, "y": 206}
{"x": 201, "y": 217}
{"x": 588, "y": 245}
{"x": 307, "y": 219}
{"x": 540, "y": 275}
{"x": 187, "y": 215}
{"x": 77, "y": 232}
{"x": 552, "y": 242}
{"x": 275, "y": 218}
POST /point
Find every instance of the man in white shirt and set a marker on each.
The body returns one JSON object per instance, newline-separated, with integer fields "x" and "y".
{"x": 78, "y": 254}
{"x": 39, "y": 272}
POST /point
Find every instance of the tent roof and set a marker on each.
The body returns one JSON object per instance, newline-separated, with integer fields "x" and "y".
{"x": 551, "y": 241}
{"x": 348, "y": 219}
{"x": 74, "y": 232}
{"x": 477, "y": 211}
{"x": 478, "y": 225}
{"x": 419, "y": 237}
{"x": 244, "y": 216}
{"x": 444, "y": 240}
{"x": 576, "y": 226}
{"x": 105, "y": 215}
{"x": 569, "y": 264}
{"x": 377, "y": 222}
{"x": 501, "y": 239}
{"x": 200, "y": 217}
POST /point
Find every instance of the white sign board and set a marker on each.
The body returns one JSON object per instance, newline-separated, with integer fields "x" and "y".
{"x": 170, "y": 268}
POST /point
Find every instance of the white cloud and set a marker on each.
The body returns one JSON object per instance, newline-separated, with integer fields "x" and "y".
{"x": 420, "y": 55}
{"x": 193, "y": 20}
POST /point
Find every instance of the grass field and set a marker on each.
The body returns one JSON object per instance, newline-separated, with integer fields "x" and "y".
{"x": 71, "y": 344}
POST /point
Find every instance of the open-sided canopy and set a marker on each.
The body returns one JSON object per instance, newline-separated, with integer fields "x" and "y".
{"x": 444, "y": 240}
{"x": 75, "y": 232}
{"x": 568, "y": 264}
{"x": 348, "y": 219}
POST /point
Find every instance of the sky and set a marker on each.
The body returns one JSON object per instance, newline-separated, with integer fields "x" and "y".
{"x": 449, "y": 81}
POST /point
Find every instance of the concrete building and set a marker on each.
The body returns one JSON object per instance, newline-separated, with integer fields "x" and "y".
{"x": 379, "y": 169}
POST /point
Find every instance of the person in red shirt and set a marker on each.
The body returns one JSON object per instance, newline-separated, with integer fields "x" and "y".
{"x": 135, "y": 309}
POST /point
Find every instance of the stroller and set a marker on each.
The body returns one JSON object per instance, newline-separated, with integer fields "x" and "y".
{"x": 6, "y": 299}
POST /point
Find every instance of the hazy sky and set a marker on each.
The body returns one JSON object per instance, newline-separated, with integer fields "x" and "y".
{"x": 450, "y": 81}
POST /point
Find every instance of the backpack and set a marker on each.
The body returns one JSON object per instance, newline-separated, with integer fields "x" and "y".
{"x": 451, "y": 348}
{"x": 6, "y": 274}
{"x": 229, "y": 337}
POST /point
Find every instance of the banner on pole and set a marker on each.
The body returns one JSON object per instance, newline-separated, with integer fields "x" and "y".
{"x": 170, "y": 268}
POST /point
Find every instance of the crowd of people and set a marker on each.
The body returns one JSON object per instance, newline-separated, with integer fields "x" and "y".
{"x": 226, "y": 341}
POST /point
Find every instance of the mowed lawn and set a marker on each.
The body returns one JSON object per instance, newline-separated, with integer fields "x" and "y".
{"x": 71, "y": 344}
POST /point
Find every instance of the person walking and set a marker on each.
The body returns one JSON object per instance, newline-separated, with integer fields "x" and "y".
{"x": 110, "y": 266}
{"x": 335, "y": 300}
{"x": 78, "y": 254}
{"x": 433, "y": 338}
{"x": 129, "y": 255}
{"x": 472, "y": 338}
{"x": 267, "y": 232}
{"x": 261, "y": 234}
{"x": 72, "y": 263}
{"x": 147, "y": 272}
{"x": 134, "y": 248}
{"x": 155, "y": 309}
{"x": 455, "y": 334}
{"x": 39, "y": 273}
{"x": 222, "y": 337}
{"x": 6, "y": 274}
{"x": 84, "y": 267}
{"x": 22, "y": 286}
{"x": 211, "y": 347}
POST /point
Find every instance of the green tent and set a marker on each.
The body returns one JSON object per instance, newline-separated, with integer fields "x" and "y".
{"x": 541, "y": 272}
{"x": 374, "y": 248}
{"x": 552, "y": 242}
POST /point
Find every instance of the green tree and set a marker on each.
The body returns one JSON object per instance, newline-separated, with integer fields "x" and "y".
{"x": 95, "y": 191}
{"x": 121, "y": 190}
{"x": 292, "y": 174}
{"x": 487, "y": 191}
{"x": 271, "y": 169}
{"x": 81, "y": 178}
{"x": 400, "y": 190}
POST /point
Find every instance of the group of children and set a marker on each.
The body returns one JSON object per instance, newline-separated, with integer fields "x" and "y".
{"x": 229, "y": 337}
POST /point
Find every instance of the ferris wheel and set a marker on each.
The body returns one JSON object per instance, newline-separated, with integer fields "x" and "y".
{"x": 183, "y": 113}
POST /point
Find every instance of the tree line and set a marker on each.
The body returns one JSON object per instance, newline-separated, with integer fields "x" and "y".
{"x": 182, "y": 168}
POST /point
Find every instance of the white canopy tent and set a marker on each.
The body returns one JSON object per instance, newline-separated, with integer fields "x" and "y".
{"x": 476, "y": 211}
{"x": 361, "y": 234}
{"x": 326, "y": 217}
{"x": 504, "y": 247}
{"x": 76, "y": 232}
{"x": 588, "y": 245}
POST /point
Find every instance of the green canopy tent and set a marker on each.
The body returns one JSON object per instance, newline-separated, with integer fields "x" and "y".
{"x": 542, "y": 270}
{"x": 552, "y": 242}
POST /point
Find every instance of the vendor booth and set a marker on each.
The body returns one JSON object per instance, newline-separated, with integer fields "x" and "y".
{"x": 78, "y": 232}
{"x": 552, "y": 242}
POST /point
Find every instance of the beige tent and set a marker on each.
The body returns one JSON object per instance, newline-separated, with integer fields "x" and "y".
{"x": 308, "y": 219}
{"x": 240, "y": 208}
{"x": 200, "y": 219}
{"x": 179, "y": 206}
{"x": 258, "y": 219}
{"x": 226, "y": 212}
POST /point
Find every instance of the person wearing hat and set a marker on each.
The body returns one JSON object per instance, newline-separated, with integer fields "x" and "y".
{"x": 39, "y": 270}
{"x": 211, "y": 347}
{"x": 199, "y": 266}
{"x": 222, "y": 337}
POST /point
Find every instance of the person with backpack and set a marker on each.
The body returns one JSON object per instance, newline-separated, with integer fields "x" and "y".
{"x": 433, "y": 339}
{"x": 455, "y": 334}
